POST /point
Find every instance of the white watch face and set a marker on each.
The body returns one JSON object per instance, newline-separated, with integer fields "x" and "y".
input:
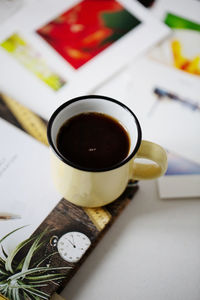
{"x": 72, "y": 245}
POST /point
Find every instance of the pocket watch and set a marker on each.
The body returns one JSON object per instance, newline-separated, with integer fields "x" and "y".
{"x": 72, "y": 245}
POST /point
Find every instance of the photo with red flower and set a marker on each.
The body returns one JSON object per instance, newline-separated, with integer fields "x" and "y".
{"x": 86, "y": 29}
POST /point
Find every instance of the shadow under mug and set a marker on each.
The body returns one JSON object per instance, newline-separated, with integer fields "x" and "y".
{"x": 91, "y": 187}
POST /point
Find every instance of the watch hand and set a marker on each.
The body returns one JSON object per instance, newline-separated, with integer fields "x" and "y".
{"x": 72, "y": 239}
{"x": 71, "y": 243}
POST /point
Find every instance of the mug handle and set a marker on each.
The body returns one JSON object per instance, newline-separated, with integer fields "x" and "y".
{"x": 154, "y": 152}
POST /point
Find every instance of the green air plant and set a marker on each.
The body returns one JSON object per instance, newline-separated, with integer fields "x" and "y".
{"x": 23, "y": 279}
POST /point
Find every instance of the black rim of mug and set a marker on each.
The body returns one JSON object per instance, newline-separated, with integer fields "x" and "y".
{"x": 76, "y": 166}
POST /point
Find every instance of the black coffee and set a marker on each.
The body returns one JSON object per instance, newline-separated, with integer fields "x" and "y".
{"x": 93, "y": 140}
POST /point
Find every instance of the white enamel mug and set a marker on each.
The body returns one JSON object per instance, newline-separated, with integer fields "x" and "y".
{"x": 90, "y": 187}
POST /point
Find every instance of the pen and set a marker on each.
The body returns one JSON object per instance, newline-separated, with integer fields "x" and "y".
{"x": 161, "y": 93}
{"x": 9, "y": 217}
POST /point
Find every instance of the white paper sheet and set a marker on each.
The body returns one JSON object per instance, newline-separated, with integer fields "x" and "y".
{"x": 26, "y": 187}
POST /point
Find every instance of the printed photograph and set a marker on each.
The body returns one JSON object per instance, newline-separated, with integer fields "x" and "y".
{"x": 181, "y": 179}
{"x": 88, "y": 28}
{"x": 32, "y": 60}
{"x": 182, "y": 50}
{"x": 178, "y": 165}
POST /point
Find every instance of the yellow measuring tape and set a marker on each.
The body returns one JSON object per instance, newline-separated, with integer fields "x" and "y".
{"x": 3, "y": 298}
{"x": 99, "y": 216}
{"x": 33, "y": 125}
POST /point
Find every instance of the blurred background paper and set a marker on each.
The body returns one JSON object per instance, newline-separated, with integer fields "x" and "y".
{"x": 8, "y": 8}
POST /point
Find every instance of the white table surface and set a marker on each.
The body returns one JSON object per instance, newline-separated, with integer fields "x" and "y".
{"x": 152, "y": 251}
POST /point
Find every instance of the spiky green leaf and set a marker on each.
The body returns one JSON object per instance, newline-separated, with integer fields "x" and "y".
{"x": 2, "y": 261}
{"x": 15, "y": 293}
{"x": 30, "y": 254}
{"x": 35, "y": 247}
{"x": 44, "y": 277}
{"x": 4, "y": 252}
{"x": 35, "y": 270}
{"x": 7, "y": 235}
{"x": 37, "y": 293}
{"x": 10, "y": 258}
